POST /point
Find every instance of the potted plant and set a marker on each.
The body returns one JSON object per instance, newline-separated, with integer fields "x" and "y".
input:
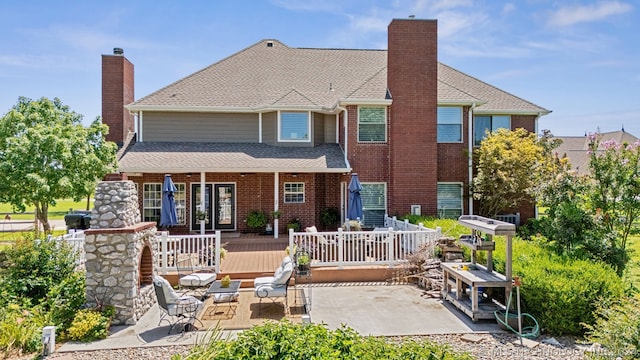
{"x": 303, "y": 261}
{"x": 294, "y": 224}
{"x": 256, "y": 220}
{"x": 202, "y": 215}
{"x": 225, "y": 281}
{"x": 276, "y": 214}
{"x": 330, "y": 218}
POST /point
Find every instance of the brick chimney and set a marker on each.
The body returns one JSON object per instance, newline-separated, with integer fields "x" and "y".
{"x": 117, "y": 91}
{"x": 412, "y": 77}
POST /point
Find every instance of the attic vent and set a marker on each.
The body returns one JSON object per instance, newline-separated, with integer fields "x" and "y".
{"x": 269, "y": 43}
{"x": 118, "y": 51}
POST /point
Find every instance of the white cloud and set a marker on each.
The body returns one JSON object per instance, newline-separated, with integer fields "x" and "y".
{"x": 508, "y": 8}
{"x": 570, "y": 15}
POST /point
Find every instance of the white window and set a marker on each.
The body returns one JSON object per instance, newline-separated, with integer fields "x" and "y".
{"x": 372, "y": 124}
{"x": 487, "y": 123}
{"x": 449, "y": 200}
{"x": 151, "y": 202}
{"x": 294, "y": 126}
{"x": 294, "y": 193}
{"x": 374, "y": 203}
{"x": 449, "y": 124}
{"x": 180, "y": 198}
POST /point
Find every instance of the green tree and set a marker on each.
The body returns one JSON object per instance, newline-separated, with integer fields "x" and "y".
{"x": 510, "y": 164}
{"x": 615, "y": 193}
{"x": 47, "y": 154}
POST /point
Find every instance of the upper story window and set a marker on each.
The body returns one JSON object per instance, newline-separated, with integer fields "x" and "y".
{"x": 294, "y": 193}
{"x": 294, "y": 126}
{"x": 372, "y": 124}
{"x": 488, "y": 123}
{"x": 449, "y": 124}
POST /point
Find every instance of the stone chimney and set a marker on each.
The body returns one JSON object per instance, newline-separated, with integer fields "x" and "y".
{"x": 117, "y": 91}
{"x": 412, "y": 78}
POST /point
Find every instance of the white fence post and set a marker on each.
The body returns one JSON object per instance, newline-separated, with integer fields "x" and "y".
{"x": 340, "y": 248}
{"x": 163, "y": 252}
{"x": 218, "y": 237}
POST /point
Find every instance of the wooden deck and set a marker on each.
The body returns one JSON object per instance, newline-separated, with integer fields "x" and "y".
{"x": 250, "y": 256}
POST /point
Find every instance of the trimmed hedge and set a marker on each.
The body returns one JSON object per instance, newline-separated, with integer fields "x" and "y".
{"x": 561, "y": 293}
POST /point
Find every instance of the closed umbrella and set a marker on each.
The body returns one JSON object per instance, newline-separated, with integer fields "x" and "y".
{"x": 355, "y": 201}
{"x": 168, "y": 213}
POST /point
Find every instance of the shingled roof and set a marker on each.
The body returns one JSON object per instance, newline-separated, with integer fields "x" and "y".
{"x": 231, "y": 157}
{"x": 271, "y": 75}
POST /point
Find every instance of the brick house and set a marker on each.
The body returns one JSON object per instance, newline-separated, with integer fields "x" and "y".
{"x": 275, "y": 127}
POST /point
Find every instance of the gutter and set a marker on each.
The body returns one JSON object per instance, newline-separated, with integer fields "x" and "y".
{"x": 346, "y": 137}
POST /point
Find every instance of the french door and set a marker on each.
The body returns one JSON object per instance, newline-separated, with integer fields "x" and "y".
{"x": 219, "y": 204}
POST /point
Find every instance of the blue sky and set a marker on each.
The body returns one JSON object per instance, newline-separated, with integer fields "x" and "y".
{"x": 580, "y": 59}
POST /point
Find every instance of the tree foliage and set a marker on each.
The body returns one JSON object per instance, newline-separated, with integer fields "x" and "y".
{"x": 591, "y": 216}
{"x": 47, "y": 154}
{"x": 510, "y": 164}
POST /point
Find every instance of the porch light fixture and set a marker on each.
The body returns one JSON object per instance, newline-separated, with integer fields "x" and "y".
{"x": 243, "y": 174}
{"x": 294, "y": 174}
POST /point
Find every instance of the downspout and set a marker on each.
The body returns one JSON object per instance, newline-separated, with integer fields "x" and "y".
{"x": 535, "y": 128}
{"x": 260, "y": 127}
{"x": 470, "y": 164}
{"x": 346, "y": 134}
{"x": 140, "y": 126}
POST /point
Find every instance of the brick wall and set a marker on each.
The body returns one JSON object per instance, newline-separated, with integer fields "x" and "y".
{"x": 254, "y": 191}
{"x": 117, "y": 91}
{"x": 412, "y": 79}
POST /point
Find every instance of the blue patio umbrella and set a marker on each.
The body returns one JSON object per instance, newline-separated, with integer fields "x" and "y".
{"x": 168, "y": 213}
{"x": 355, "y": 201}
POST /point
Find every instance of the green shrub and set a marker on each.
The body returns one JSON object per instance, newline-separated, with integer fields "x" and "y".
{"x": 32, "y": 267}
{"x": 65, "y": 299}
{"x": 617, "y": 329}
{"x": 284, "y": 340}
{"x": 89, "y": 325}
{"x": 21, "y": 329}
{"x": 330, "y": 218}
{"x": 560, "y": 292}
{"x": 256, "y": 220}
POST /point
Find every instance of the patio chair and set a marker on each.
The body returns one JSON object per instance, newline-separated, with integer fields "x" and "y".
{"x": 188, "y": 278}
{"x": 275, "y": 287}
{"x": 176, "y": 309}
{"x": 322, "y": 249}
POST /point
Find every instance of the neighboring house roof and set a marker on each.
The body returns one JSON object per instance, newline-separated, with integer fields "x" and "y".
{"x": 270, "y": 75}
{"x": 155, "y": 157}
{"x": 576, "y": 148}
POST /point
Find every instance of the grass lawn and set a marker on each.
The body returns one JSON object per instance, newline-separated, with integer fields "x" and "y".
{"x": 634, "y": 264}
{"x": 55, "y": 212}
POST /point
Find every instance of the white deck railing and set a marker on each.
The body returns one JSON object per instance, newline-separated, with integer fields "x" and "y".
{"x": 204, "y": 251}
{"x": 75, "y": 239}
{"x": 383, "y": 246}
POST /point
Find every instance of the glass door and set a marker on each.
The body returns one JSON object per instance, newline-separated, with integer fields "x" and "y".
{"x": 195, "y": 206}
{"x": 225, "y": 207}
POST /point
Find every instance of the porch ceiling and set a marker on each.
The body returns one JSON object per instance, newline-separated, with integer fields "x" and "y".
{"x": 165, "y": 157}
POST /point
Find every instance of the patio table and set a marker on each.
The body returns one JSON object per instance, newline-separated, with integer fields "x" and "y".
{"x": 226, "y": 295}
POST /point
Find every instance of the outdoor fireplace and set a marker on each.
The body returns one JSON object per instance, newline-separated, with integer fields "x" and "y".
{"x": 120, "y": 252}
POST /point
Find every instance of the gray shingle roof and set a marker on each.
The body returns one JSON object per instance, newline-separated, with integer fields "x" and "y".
{"x": 576, "y": 148}
{"x": 230, "y": 157}
{"x": 277, "y": 76}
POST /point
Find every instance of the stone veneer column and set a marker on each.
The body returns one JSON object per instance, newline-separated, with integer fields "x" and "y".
{"x": 114, "y": 246}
